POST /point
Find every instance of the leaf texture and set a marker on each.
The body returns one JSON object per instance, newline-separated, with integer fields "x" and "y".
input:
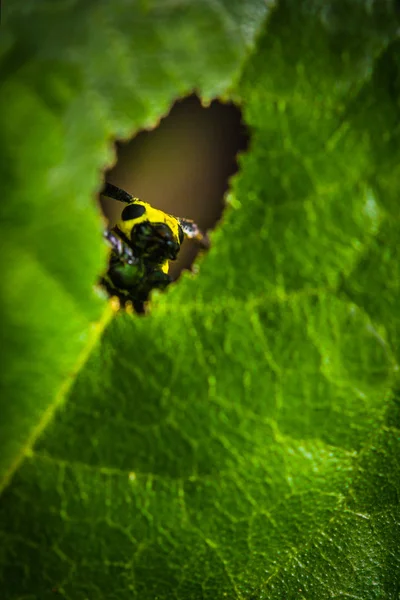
{"x": 241, "y": 441}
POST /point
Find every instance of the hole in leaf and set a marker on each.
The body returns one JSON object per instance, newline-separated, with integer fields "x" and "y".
{"x": 182, "y": 167}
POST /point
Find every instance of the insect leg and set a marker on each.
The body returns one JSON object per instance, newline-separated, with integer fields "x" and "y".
{"x": 120, "y": 248}
{"x": 192, "y": 231}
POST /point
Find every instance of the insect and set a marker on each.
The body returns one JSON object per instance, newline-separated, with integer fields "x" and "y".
{"x": 143, "y": 242}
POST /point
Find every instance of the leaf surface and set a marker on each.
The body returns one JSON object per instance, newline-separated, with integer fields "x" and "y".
{"x": 74, "y": 76}
{"x": 241, "y": 441}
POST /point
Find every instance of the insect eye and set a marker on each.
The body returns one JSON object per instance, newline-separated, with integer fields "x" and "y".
{"x": 133, "y": 211}
{"x": 163, "y": 231}
{"x": 181, "y": 234}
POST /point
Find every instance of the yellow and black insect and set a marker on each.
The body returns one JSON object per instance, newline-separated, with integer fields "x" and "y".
{"x": 143, "y": 242}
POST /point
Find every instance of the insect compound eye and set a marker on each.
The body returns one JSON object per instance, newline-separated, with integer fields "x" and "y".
{"x": 141, "y": 233}
{"x": 181, "y": 234}
{"x": 132, "y": 211}
{"x": 163, "y": 231}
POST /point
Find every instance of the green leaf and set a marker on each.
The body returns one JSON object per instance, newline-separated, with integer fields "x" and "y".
{"x": 61, "y": 103}
{"x": 242, "y": 440}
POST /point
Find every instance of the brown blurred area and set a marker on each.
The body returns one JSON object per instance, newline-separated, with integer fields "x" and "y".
{"x": 183, "y": 166}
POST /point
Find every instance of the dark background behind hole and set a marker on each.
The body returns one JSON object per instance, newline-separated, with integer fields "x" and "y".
{"x": 183, "y": 166}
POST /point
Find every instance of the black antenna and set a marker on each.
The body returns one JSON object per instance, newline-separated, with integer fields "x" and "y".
{"x": 112, "y": 191}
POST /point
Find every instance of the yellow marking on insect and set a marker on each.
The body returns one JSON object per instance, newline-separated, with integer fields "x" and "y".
{"x": 129, "y": 308}
{"x": 152, "y": 215}
{"x": 115, "y": 303}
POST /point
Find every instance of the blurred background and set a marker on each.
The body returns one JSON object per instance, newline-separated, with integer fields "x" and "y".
{"x": 183, "y": 166}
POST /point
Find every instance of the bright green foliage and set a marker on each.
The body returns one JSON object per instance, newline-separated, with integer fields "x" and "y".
{"x": 242, "y": 441}
{"x": 60, "y": 103}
